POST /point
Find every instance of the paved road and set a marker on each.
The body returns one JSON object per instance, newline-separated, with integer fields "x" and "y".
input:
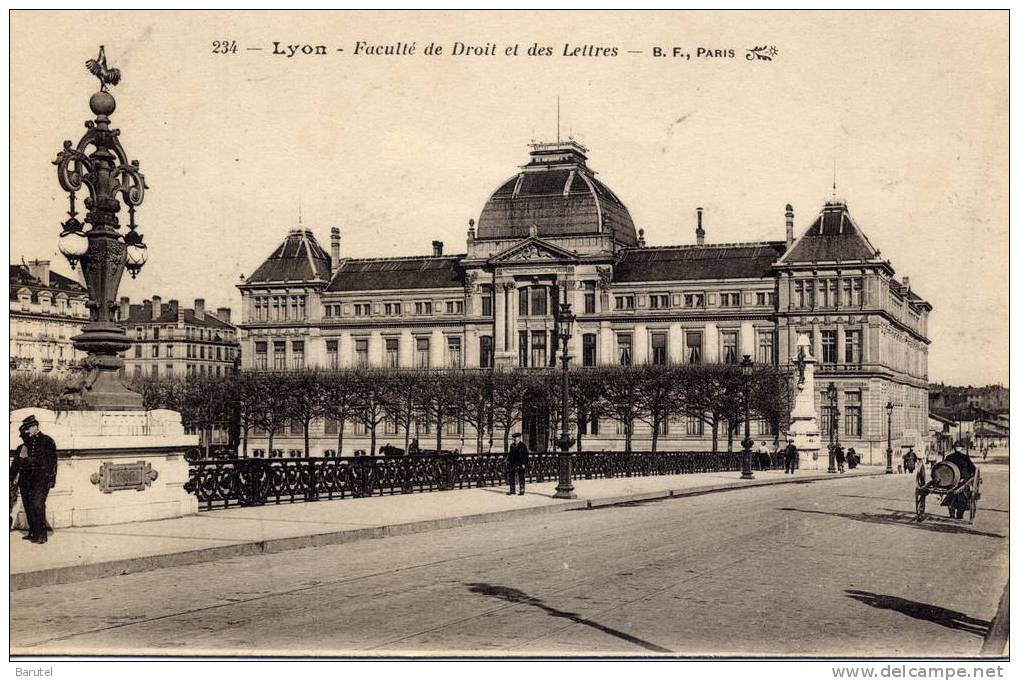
{"x": 831, "y": 568}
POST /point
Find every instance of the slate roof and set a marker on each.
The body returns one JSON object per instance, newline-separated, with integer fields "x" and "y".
{"x": 298, "y": 258}
{"x": 20, "y": 277}
{"x": 834, "y": 236}
{"x": 686, "y": 263}
{"x": 139, "y": 314}
{"x": 559, "y": 194}
{"x": 371, "y": 274}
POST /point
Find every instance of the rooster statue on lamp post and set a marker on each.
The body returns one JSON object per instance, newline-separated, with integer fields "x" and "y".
{"x": 99, "y": 164}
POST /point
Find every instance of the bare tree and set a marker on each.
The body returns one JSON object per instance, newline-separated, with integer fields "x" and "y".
{"x": 622, "y": 398}
{"x": 474, "y": 402}
{"x": 307, "y": 400}
{"x": 659, "y": 395}
{"x": 270, "y": 404}
{"x": 510, "y": 391}
{"x": 586, "y": 394}
{"x": 402, "y": 403}
{"x": 373, "y": 394}
{"x": 340, "y": 400}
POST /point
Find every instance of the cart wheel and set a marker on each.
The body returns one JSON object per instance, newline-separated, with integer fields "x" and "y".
{"x": 921, "y": 506}
{"x": 974, "y": 495}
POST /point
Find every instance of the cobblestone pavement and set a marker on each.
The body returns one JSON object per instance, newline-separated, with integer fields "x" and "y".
{"x": 832, "y": 568}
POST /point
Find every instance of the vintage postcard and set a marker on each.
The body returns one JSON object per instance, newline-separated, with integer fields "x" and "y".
{"x": 509, "y": 335}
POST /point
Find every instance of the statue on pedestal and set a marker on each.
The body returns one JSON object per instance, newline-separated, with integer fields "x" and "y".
{"x": 803, "y": 428}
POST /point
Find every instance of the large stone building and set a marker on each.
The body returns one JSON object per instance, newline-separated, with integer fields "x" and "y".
{"x": 168, "y": 340}
{"x": 554, "y": 225}
{"x": 47, "y": 310}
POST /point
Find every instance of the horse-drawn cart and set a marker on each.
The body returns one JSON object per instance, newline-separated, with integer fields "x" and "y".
{"x": 950, "y": 486}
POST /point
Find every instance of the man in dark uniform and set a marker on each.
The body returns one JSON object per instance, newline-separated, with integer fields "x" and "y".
{"x": 516, "y": 465}
{"x": 959, "y": 503}
{"x": 36, "y": 467}
{"x": 791, "y": 457}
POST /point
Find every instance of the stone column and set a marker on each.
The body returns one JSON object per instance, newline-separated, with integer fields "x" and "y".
{"x": 803, "y": 429}
{"x": 840, "y": 343}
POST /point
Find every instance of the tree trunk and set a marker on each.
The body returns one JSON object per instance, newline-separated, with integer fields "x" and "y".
{"x": 373, "y": 439}
{"x": 244, "y": 443}
{"x": 505, "y": 440}
{"x": 207, "y": 436}
{"x": 438, "y": 430}
{"x": 307, "y": 426}
{"x": 714, "y": 435}
{"x": 654, "y": 435}
{"x": 629, "y": 435}
{"x": 339, "y": 437}
{"x": 270, "y": 444}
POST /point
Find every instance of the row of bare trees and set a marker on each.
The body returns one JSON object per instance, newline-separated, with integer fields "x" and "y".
{"x": 491, "y": 402}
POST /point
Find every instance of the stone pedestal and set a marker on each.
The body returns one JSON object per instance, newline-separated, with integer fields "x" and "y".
{"x": 803, "y": 429}
{"x": 113, "y": 466}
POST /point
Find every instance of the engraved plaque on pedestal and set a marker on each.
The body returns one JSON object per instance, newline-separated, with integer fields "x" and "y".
{"x": 114, "y": 477}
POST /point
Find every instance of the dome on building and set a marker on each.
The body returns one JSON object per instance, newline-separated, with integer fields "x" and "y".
{"x": 557, "y": 193}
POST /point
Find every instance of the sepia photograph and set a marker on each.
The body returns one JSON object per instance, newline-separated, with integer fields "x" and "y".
{"x": 510, "y": 335}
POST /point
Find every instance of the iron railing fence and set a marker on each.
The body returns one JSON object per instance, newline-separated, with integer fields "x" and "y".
{"x": 255, "y": 482}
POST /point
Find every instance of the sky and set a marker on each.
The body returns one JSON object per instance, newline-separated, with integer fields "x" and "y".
{"x": 906, "y": 110}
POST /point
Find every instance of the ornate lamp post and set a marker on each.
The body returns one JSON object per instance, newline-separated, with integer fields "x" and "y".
{"x": 99, "y": 163}
{"x": 564, "y": 329}
{"x": 888, "y": 452}
{"x": 746, "y": 368}
{"x": 833, "y": 429}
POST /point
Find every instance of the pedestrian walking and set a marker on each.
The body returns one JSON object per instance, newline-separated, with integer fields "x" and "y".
{"x": 958, "y": 503}
{"x": 516, "y": 465}
{"x": 851, "y": 458}
{"x": 840, "y": 458}
{"x": 791, "y": 457}
{"x": 35, "y": 466}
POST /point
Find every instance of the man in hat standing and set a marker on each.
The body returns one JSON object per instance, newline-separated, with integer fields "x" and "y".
{"x": 958, "y": 503}
{"x": 36, "y": 468}
{"x": 517, "y": 465}
{"x": 791, "y": 457}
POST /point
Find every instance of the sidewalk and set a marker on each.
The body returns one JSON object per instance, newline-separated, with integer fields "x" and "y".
{"x": 81, "y": 553}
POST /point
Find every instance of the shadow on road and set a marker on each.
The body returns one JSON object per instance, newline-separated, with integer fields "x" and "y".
{"x": 922, "y": 611}
{"x": 904, "y": 519}
{"x": 511, "y": 595}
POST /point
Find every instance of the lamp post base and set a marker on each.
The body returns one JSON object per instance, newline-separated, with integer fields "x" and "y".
{"x": 888, "y": 464}
{"x": 747, "y": 472}
{"x": 564, "y": 490}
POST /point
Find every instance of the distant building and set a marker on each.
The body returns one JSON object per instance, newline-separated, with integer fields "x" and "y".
{"x": 556, "y": 229}
{"x": 169, "y": 340}
{"x": 46, "y": 310}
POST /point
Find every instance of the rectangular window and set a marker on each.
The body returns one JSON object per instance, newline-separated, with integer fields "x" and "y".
{"x": 333, "y": 354}
{"x": 809, "y": 288}
{"x": 360, "y": 352}
{"x": 539, "y": 300}
{"x": 694, "y": 341}
{"x": 389, "y": 427}
{"x": 589, "y": 291}
{"x": 522, "y": 348}
{"x": 169, "y": 370}
{"x": 392, "y": 309}
{"x": 137, "y": 371}
{"x": 659, "y": 301}
{"x": 624, "y": 344}
{"x": 538, "y": 349}
{"x": 588, "y": 423}
{"x": 693, "y": 300}
{"x": 297, "y": 352}
{"x": 730, "y": 347}
{"x": 137, "y": 351}
{"x": 487, "y": 352}
{"x": 659, "y": 348}
{"x": 155, "y": 349}
{"x": 458, "y": 306}
{"x": 449, "y": 307}
{"x": 201, "y": 351}
{"x": 828, "y": 347}
{"x": 522, "y": 299}
{"x": 155, "y": 333}
{"x": 392, "y": 353}
{"x": 155, "y": 371}
{"x": 261, "y": 352}
{"x": 854, "y": 414}
{"x": 362, "y": 309}
{"x": 169, "y": 351}
{"x": 729, "y": 299}
{"x": 279, "y": 355}
{"x": 822, "y": 293}
{"x": 765, "y": 347}
{"x": 826, "y": 419}
{"x": 454, "y": 352}
{"x": 694, "y": 426}
{"x": 624, "y": 302}
{"x": 798, "y": 294}
{"x": 423, "y": 356}
{"x": 486, "y": 304}
{"x": 590, "y": 347}
{"x": 854, "y": 348}
{"x": 332, "y": 426}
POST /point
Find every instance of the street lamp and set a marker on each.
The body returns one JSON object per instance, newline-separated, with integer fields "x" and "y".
{"x": 888, "y": 452}
{"x": 99, "y": 163}
{"x": 833, "y": 408}
{"x": 564, "y": 329}
{"x": 746, "y": 368}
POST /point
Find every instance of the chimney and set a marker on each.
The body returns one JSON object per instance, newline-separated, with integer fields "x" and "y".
{"x": 40, "y": 269}
{"x": 640, "y": 238}
{"x": 146, "y": 309}
{"x": 905, "y": 285}
{"x": 200, "y": 308}
{"x": 173, "y": 307}
{"x": 788, "y": 225}
{"x": 125, "y": 308}
{"x": 700, "y": 226}
{"x": 157, "y": 307}
{"x": 223, "y": 314}
{"x": 436, "y": 248}
{"x": 334, "y": 249}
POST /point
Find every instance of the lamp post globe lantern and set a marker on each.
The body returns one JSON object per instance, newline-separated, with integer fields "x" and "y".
{"x": 99, "y": 165}
{"x": 746, "y": 368}
{"x": 832, "y": 394}
{"x": 888, "y": 451}
{"x": 564, "y": 329}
